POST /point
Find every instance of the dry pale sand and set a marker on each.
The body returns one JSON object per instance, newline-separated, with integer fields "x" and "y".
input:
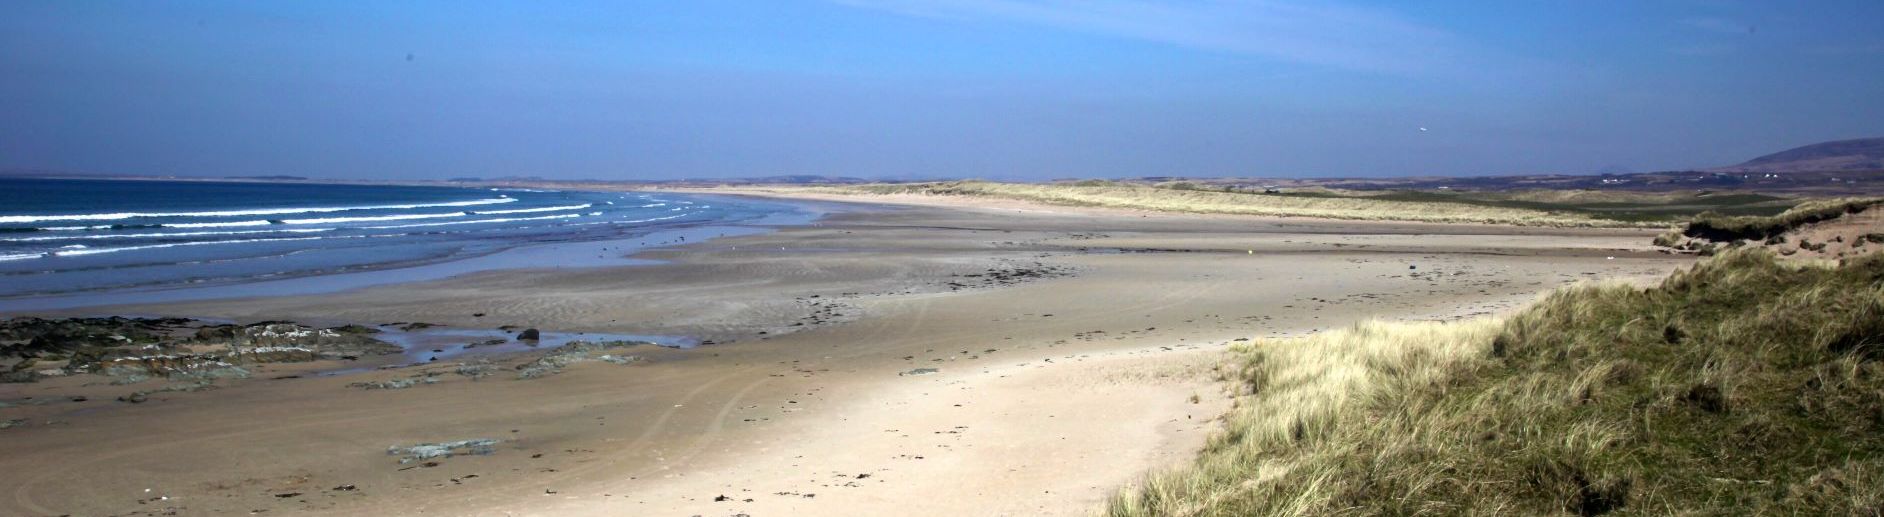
{"x": 1086, "y": 364}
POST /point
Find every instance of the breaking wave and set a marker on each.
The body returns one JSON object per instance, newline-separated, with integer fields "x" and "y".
{"x": 233, "y": 213}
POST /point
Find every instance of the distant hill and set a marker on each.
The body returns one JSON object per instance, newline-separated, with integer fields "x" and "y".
{"x": 1841, "y": 155}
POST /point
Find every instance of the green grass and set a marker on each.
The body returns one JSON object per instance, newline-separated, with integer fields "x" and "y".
{"x": 1619, "y": 206}
{"x": 1720, "y": 227}
{"x": 1745, "y": 385}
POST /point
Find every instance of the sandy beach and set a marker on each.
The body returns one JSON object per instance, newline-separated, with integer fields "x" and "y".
{"x": 920, "y": 357}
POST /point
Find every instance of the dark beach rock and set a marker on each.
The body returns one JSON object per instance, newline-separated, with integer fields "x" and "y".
{"x": 487, "y": 342}
{"x": 529, "y": 335}
{"x": 355, "y": 329}
{"x": 216, "y": 333}
{"x": 36, "y": 337}
{"x": 174, "y": 366}
{"x": 132, "y": 350}
{"x": 288, "y": 342}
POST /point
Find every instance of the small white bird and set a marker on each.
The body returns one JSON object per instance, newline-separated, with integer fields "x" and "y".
{"x": 1422, "y": 130}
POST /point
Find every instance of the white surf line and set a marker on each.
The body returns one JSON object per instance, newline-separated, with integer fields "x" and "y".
{"x": 498, "y": 220}
{"x": 161, "y": 235}
{"x": 533, "y": 210}
{"x": 96, "y": 251}
{"x": 232, "y": 213}
{"x": 397, "y": 217}
{"x": 330, "y": 220}
{"x": 634, "y": 221}
{"x": 217, "y": 225}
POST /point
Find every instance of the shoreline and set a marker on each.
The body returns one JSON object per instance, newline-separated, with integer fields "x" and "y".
{"x": 615, "y": 252}
{"x": 1062, "y": 370}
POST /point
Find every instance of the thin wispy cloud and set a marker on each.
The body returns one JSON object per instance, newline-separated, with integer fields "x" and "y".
{"x": 1303, "y": 32}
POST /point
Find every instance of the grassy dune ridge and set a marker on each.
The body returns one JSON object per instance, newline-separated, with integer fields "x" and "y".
{"x": 1743, "y": 385}
{"x": 1146, "y": 197}
{"x": 1724, "y": 228}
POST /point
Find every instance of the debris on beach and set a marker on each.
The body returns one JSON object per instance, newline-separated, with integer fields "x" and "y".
{"x": 919, "y": 371}
{"x": 426, "y": 451}
{"x": 9, "y": 424}
{"x": 1009, "y": 272}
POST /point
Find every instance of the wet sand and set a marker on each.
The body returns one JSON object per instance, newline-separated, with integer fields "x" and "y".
{"x": 1073, "y": 351}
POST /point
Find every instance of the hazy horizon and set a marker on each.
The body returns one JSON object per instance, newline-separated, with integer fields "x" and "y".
{"x": 1005, "y": 89}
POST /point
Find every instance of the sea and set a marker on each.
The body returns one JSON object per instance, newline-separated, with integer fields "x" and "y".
{"x": 63, "y": 238}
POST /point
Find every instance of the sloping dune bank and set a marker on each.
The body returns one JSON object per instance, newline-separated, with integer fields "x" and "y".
{"x": 971, "y": 359}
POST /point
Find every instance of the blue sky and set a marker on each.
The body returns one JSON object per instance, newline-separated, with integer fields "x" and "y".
{"x": 1020, "y": 89}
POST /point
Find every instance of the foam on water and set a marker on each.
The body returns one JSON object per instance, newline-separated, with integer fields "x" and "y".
{"x": 11, "y": 219}
{"x": 95, "y": 251}
{"x": 376, "y": 218}
{"x": 161, "y": 235}
{"x": 497, "y": 220}
{"x": 533, "y": 210}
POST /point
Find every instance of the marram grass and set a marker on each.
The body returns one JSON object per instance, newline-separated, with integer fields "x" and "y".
{"x": 1741, "y": 386}
{"x": 1720, "y": 228}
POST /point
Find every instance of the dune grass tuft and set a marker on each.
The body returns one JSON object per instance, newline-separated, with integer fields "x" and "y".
{"x": 1744, "y": 385}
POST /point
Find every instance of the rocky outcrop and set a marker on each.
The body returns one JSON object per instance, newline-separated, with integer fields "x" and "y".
{"x": 133, "y": 349}
{"x": 36, "y": 337}
{"x": 575, "y": 352}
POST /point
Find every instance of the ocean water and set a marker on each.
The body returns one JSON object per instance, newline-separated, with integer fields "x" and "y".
{"x": 61, "y": 237}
